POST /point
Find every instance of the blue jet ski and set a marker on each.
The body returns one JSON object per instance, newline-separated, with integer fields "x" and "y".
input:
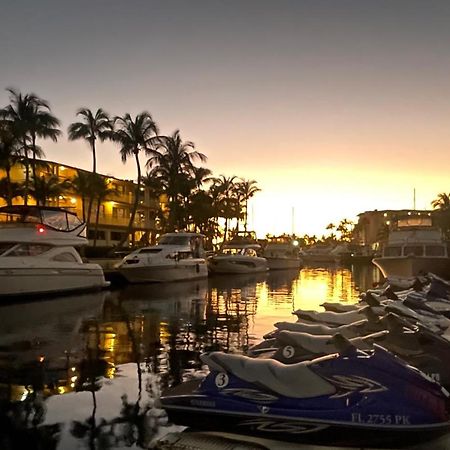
{"x": 352, "y": 398}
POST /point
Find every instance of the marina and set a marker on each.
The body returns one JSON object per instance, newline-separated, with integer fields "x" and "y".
{"x": 93, "y": 366}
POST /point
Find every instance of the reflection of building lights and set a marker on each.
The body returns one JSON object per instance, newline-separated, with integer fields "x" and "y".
{"x": 73, "y": 369}
{"x": 61, "y": 197}
{"x": 24, "y": 395}
{"x": 41, "y": 358}
{"x": 110, "y": 372}
{"x": 61, "y": 389}
{"x": 74, "y": 378}
{"x": 72, "y": 385}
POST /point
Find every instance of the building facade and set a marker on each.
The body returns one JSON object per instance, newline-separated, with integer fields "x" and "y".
{"x": 113, "y": 212}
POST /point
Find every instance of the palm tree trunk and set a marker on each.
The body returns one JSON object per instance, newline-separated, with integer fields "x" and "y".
{"x": 8, "y": 178}
{"x": 91, "y": 196}
{"x": 27, "y": 173}
{"x": 97, "y": 214}
{"x": 136, "y": 201}
{"x": 33, "y": 165}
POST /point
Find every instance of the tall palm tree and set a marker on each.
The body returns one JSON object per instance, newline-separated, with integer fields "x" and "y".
{"x": 223, "y": 192}
{"x": 173, "y": 164}
{"x": 31, "y": 118}
{"x": 246, "y": 190}
{"x": 9, "y": 151}
{"x": 92, "y": 127}
{"x": 135, "y": 136}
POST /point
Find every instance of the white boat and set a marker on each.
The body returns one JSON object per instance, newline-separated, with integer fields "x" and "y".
{"x": 414, "y": 248}
{"x": 38, "y": 255}
{"x": 176, "y": 256}
{"x": 239, "y": 255}
{"x": 282, "y": 253}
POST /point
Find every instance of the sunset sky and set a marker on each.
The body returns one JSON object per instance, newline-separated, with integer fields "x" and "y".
{"x": 334, "y": 107}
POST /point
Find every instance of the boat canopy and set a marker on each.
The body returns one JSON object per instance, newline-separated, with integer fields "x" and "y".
{"x": 52, "y": 217}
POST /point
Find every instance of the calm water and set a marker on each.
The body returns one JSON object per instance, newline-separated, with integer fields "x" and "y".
{"x": 84, "y": 371}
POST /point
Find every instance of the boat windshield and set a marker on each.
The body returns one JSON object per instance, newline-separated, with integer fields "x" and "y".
{"x": 57, "y": 219}
{"x": 28, "y": 250}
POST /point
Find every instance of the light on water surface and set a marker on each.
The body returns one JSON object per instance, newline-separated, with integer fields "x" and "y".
{"x": 81, "y": 363}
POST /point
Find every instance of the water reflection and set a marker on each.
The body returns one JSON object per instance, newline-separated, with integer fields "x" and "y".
{"x": 84, "y": 371}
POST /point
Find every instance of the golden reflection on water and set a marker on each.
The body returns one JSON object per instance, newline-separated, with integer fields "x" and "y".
{"x": 307, "y": 289}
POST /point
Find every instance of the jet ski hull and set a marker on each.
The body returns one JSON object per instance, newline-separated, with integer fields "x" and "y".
{"x": 185, "y": 406}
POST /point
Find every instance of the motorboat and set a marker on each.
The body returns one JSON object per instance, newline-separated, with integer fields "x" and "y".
{"x": 282, "y": 252}
{"x": 38, "y": 252}
{"x": 176, "y": 256}
{"x": 348, "y": 398}
{"x": 239, "y": 255}
{"x": 414, "y": 248}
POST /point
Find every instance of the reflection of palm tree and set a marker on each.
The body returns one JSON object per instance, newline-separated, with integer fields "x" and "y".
{"x": 135, "y": 136}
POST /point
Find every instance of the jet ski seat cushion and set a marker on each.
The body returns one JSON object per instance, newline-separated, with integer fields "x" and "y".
{"x": 295, "y": 380}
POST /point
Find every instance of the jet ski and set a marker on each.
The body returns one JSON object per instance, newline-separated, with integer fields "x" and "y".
{"x": 419, "y": 348}
{"x": 352, "y": 398}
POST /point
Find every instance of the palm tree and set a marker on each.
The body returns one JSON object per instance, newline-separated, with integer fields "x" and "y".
{"x": 30, "y": 118}
{"x": 135, "y": 136}
{"x": 100, "y": 190}
{"x": 442, "y": 202}
{"x": 48, "y": 188}
{"x": 9, "y": 190}
{"x": 246, "y": 189}
{"x": 442, "y": 206}
{"x": 223, "y": 192}
{"x": 81, "y": 185}
{"x": 173, "y": 164}
{"x": 92, "y": 127}
{"x": 9, "y": 150}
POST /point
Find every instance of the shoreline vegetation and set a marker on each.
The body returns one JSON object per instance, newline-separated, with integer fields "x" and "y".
{"x": 194, "y": 198}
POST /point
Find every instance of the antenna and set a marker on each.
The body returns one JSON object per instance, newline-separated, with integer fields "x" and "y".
{"x": 414, "y": 198}
{"x": 293, "y": 221}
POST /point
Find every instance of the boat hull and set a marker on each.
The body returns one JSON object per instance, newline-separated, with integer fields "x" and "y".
{"x": 189, "y": 270}
{"x": 22, "y": 281}
{"x": 237, "y": 264}
{"x": 198, "y": 412}
{"x": 412, "y": 266}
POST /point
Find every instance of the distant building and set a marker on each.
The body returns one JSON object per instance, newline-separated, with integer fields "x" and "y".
{"x": 114, "y": 213}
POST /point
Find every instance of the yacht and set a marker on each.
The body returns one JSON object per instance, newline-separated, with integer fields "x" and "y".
{"x": 414, "y": 248}
{"x": 38, "y": 255}
{"x": 239, "y": 255}
{"x": 176, "y": 256}
{"x": 282, "y": 252}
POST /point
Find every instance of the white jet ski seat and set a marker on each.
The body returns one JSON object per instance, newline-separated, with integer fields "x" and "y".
{"x": 295, "y": 380}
